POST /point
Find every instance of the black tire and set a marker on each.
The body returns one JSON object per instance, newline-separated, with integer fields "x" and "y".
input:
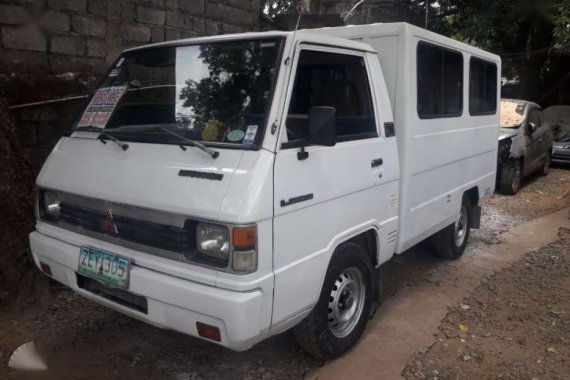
{"x": 315, "y": 333}
{"x": 511, "y": 175}
{"x": 445, "y": 243}
{"x": 546, "y": 167}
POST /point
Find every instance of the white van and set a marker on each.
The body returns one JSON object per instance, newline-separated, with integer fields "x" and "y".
{"x": 233, "y": 187}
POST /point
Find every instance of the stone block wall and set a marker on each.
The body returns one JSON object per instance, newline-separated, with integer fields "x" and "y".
{"x": 39, "y": 37}
{"x": 53, "y": 49}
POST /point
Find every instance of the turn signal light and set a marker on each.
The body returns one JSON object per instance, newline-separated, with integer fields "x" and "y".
{"x": 244, "y": 238}
{"x": 208, "y": 332}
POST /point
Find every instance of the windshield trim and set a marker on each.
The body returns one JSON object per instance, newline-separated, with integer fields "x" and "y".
{"x": 257, "y": 144}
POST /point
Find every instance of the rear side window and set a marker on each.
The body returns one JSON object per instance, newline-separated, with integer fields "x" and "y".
{"x": 334, "y": 80}
{"x": 439, "y": 82}
{"x": 482, "y": 87}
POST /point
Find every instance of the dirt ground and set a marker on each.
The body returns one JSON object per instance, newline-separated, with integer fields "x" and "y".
{"x": 537, "y": 197}
{"x": 516, "y": 325}
{"x": 16, "y": 205}
{"x": 87, "y": 341}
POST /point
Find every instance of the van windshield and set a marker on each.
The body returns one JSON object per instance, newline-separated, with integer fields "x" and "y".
{"x": 217, "y": 93}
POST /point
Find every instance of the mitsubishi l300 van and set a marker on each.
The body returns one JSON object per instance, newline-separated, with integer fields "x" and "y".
{"x": 236, "y": 186}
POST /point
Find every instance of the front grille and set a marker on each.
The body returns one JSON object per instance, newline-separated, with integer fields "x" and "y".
{"x": 160, "y": 233}
{"x": 120, "y": 296}
{"x": 169, "y": 238}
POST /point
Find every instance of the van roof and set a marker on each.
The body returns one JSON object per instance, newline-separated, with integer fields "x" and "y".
{"x": 302, "y": 35}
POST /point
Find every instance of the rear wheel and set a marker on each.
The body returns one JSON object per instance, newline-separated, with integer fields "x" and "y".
{"x": 450, "y": 242}
{"x": 511, "y": 174}
{"x": 337, "y": 321}
{"x": 546, "y": 167}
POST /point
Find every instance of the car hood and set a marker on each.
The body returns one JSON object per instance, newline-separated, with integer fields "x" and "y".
{"x": 154, "y": 176}
{"x": 506, "y": 133}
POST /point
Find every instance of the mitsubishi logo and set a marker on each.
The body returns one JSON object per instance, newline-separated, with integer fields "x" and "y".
{"x": 107, "y": 225}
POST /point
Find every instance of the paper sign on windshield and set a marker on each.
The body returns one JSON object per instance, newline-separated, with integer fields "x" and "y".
{"x": 250, "y": 134}
{"x": 101, "y": 107}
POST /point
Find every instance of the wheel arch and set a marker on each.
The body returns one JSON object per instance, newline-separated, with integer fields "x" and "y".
{"x": 473, "y": 195}
{"x": 474, "y": 198}
{"x": 369, "y": 240}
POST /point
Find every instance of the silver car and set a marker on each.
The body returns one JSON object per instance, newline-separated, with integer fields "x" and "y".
{"x": 558, "y": 117}
{"x": 525, "y": 144}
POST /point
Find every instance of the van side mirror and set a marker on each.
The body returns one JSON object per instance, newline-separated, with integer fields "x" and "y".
{"x": 322, "y": 126}
{"x": 531, "y": 128}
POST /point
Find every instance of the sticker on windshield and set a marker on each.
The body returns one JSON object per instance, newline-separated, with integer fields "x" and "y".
{"x": 250, "y": 134}
{"x": 101, "y": 106}
{"x": 235, "y": 135}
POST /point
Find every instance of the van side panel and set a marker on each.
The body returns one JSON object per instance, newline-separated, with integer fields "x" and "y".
{"x": 445, "y": 156}
{"x": 440, "y": 158}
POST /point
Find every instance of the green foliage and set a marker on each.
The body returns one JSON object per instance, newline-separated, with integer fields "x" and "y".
{"x": 562, "y": 25}
{"x": 523, "y": 32}
{"x": 272, "y": 8}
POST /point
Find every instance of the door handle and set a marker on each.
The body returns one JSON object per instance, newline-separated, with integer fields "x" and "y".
{"x": 376, "y": 162}
{"x": 297, "y": 199}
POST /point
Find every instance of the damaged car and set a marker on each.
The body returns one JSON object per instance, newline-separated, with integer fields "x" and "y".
{"x": 525, "y": 144}
{"x": 558, "y": 117}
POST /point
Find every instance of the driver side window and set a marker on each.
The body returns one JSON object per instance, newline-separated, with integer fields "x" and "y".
{"x": 333, "y": 80}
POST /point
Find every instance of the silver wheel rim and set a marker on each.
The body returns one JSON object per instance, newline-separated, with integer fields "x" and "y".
{"x": 346, "y": 302}
{"x": 461, "y": 227}
{"x": 517, "y": 177}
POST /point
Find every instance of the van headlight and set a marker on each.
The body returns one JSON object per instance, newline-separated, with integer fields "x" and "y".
{"x": 213, "y": 241}
{"x": 51, "y": 205}
{"x": 239, "y": 251}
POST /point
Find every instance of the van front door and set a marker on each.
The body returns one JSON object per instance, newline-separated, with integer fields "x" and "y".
{"x": 337, "y": 191}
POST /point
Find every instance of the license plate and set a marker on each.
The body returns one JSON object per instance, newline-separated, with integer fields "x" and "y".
{"x": 104, "y": 266}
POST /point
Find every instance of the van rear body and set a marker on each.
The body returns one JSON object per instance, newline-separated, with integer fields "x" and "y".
{"x": 335, "y": 149}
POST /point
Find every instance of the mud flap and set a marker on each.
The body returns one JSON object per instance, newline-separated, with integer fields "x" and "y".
{"x": 476, "y": 217}
{"x": 378, "y": 290}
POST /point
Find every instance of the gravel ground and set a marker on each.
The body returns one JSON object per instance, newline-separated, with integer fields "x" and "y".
{"x": 537, "y": 197}
{"x": 516, "y": 325}
{"x": 87, "y": 341}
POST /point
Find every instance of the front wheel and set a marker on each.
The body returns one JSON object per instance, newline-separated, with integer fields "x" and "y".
{"x": 450, "y": 242}
{"x": 337, "y": 321}
{"x": 511, "y": 174}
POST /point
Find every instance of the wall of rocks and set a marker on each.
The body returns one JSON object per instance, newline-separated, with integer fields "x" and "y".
{"x": 55, "y": 36}
{"x": 58, "y": 48}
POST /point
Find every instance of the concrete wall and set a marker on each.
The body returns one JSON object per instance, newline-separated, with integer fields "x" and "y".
{"x": 58, "y": 48}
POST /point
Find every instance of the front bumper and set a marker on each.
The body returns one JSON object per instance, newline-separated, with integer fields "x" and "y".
{"x": 561, "y": 154}
{"x": 172, "y": 302}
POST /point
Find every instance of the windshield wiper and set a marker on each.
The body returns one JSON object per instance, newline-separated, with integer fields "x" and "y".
{"x": 102, "y": 133}
{"x": 214, "y": 154}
